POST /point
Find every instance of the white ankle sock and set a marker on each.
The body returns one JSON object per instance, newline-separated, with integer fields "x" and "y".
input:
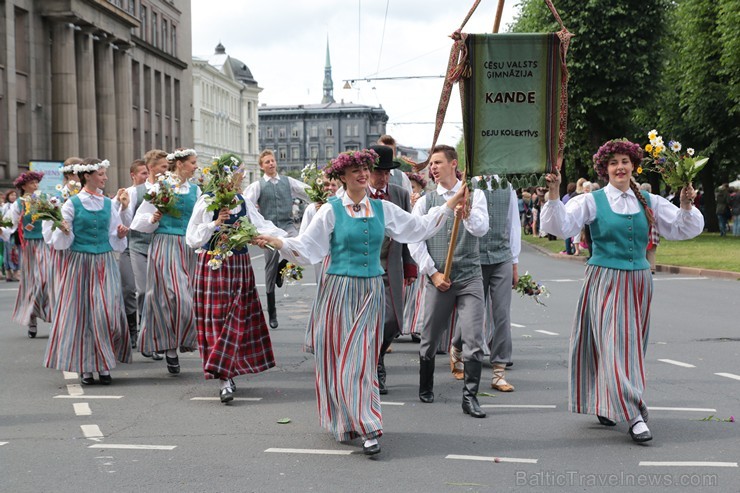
{"x": 224, "y": 384}
{"x": 172, "y": 353}
{"x": 104, "y": 373}
{"x": 637, "y": 425}
{"x": 371, "y": 442}
{"x": 87, "y": 374}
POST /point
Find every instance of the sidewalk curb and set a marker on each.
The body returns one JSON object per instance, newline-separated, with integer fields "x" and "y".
{"x": 670, "y": 269}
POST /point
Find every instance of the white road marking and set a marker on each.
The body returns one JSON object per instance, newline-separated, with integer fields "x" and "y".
{"x": 9, "y": 289}
{"x": 689, "y": 464}
{"x": 679, "y": 278}
{"x": 88, "y": 397}
{"x": 562, "y": 280}
{"x": 91, "y": 431}
{"x": 728, "y": 375}
{"x": 3, "y": 443}
{"x": 70, "y": 375}
{"x": 686, "y": 409}
{"x": 75, "y": 389}
{"x": 313, "y": 451}
{"x": 547, "y": 332}
{"x": 492, "y": 459}
{"x": 522, "y": 406}
{"x": 125, "y": 446}
{"x": 257, "y": 256}
{"x": 300, "y": 283}
{"x": 677, "y": 363}
{"x": 82, "y": 409}
{"x": 251, "y": 399}
{"x": 517, "y": 326}
{"x": 384, "y": 403}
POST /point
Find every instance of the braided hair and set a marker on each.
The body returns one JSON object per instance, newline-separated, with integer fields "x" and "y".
{"x": 643, "y": 201}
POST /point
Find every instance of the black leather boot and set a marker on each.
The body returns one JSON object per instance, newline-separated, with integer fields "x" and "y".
{"x": 132, "y": 330}
{"x": 381, "y": 376}
{"x": 426, "y": 379}
{"x": 271, "y": 310}
{"x": 470, "y": 390}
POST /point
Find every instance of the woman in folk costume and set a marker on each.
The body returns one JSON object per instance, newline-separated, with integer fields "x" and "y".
{"x": 413, "y": 295}
{"x": 32, "y": 302}
{"x": 348, "y": 313}
{"x": 232, "y": 333}
{"x": 168, "y": 322}
{"x": 610, "y": 332}
{"x": 89, "y": 333}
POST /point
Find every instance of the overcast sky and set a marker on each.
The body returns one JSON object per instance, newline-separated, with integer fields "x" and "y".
{"x": 283, "y": 42}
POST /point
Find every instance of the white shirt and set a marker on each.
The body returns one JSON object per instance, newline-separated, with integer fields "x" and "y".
{"x": 476, "y": 224}
{"x": 62, "y": 241}
{"x": 127, "y": 215}
{"x": 314, "y": 244}
{"x": 566, "y": 220}
{"x": 297, "y": 188}
{"x": 11, "y": 212}
{"x": 308, "y": 214}
{"x": 202, "y": 225}
{"x": 142, "y": 219}
{"x": 515, "y": 231}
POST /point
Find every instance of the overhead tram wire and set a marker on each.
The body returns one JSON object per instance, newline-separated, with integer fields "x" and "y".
{"x": 382, "y": 36}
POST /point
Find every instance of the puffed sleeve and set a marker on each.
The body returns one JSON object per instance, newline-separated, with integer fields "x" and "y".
{"x": 567, "y": 220}
{"x": 515, "y": 233}
{"x": 477, "y": 222}
{"x": 314, "y": 244}
{"x": 118, "y": 244}
{"x": 59, "y": 239}
{"x": 13, "y": 214}
{"x": 418, "y": 250}
{"x": 675, "y": 223}
{"x": 252, "y": 192}
{"x": 46, "y": 231}
{"x": 201, "y": 225}
{"x": 408, "y": 228}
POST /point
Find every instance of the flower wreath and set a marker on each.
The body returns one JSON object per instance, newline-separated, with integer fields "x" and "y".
{"x": 612, "y": 147}
{"x": 88, "y": 168}
{"x": 180, "y": 154}
{"x": 27, "y": 177}
{"x": 365, "y": 157}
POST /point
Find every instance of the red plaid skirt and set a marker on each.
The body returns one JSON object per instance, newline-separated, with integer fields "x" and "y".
{"x": 232, "y": 333}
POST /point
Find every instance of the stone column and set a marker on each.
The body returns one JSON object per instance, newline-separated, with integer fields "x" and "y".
{"x": 86, "y": 109}
{"x": 124, "y": 115}
{"x": 106, "y": 109}
{"x": 64, "y": 130}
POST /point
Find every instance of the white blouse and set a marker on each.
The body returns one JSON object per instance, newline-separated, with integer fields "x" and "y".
{"x": 476, "y": 224}
{"x": 202, "y": 225}
{"x": 314, "y": 243}
{"x": 566, "y": 220}
{"x": 14, "y": 214}
{"x": 143, "y": 219}
{"x": 62, "y": 241}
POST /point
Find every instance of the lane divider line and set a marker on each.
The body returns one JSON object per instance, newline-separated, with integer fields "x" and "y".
{"x": 384, "y": 403}
{"x": 250, "y": 399}
{"x": 88, "y": 397}
{"x": 729, "y": 375}
{"x": 687, "y": 409}
{"x": 3, "y": 443}
{"x": 547, "y": 332}
{"x": 125, "y": 446}
{"x": 91, "y": 431}
{"x": 687, "y": 464}
{"x": 82, "y": 409}
{"x": 522, "y": 406}
{"x": 677, "y": 363}
{"x": 492, "y": 459}
{"x": 518, "y": 326}
{"x": 311, "y": 451}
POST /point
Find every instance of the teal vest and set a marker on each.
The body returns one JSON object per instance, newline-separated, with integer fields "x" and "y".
{"x": 138, "y": 241}
{"x": 356, "y": 241}
{"x": 494, "y": 245}
{"x": 91, "y": 228}
{"x": 276, "y": 202}
{"x": 36, "y": 232}
{"x": 170, "y": 225}
{"x": 619, "y": 240}
{"x": 466, "y": 257}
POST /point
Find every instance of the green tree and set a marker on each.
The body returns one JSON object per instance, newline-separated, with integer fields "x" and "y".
{"x": 612, "y": 65}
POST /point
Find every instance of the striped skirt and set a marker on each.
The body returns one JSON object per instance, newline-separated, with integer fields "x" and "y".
{"x": 89, "y": 331}
{"x": 232, "y": 333}
{"x": 58, "y": 259}
{"x": 608, "y": 343}
{"x": 309, "y": 336}
{"x": 349, "y": 315}
{"x": 167, "y": 319}
{"x": 34, "y": 289}
{"x": 413, "y": 307}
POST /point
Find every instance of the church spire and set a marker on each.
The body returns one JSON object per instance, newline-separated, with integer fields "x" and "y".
{"x": 328, "y": 84}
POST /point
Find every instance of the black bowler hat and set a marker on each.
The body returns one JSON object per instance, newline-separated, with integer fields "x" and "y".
{"x": 386, "y": 157}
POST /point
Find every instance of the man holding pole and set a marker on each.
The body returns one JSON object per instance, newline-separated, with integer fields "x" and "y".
{"x": 455, "y": 283}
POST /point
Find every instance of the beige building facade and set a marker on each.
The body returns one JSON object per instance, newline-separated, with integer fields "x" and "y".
{"x": 93, "y": 78}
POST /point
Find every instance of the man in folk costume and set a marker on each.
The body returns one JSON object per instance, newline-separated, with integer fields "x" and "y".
{"x": 499, "y": 258}
{"x": 397, "y": 177}
{"x": 274, "y": 196}
{"x": 138, "y": 242}
{"x": 395, "y": 258}
{"x": 462, "y": 293}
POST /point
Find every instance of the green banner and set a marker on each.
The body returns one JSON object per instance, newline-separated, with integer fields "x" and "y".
{"x": 511, "y": 103}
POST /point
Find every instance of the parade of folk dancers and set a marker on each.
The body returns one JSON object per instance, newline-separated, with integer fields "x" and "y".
{"x": 163, "y": 268}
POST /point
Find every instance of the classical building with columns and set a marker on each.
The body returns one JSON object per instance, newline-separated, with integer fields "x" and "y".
{"x": 93, "y": 78}
{"x": 225, "y": 100}
{"x": 305, "y": 133}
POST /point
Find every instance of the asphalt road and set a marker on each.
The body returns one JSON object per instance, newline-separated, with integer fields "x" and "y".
{"x": 56, "y": 436}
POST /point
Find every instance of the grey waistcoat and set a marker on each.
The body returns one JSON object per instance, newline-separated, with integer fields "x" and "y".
{"x": 494, "y": 246}
{"x": 276, "y": 202}
{"x": 138, "y": 241}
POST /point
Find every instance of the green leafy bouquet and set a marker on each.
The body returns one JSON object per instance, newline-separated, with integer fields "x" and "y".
{"x": 222, "y": 181}
{"x": 163, "y": 196}
{"x": 227, "y": 239}
{"x": 677, "y": 169}
{"x": 528, "y": 286}
{"x": 292, "y": 272}
{"x": 44, "y": 207}
{"x": 313, "y": 176}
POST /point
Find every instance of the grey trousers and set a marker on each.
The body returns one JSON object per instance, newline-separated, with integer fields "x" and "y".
{"x": 390, "y": 326}
{"x": 497, "y": 279}
{"x": 128, "y": 283}
{"x": 466, "y": 298}
{"x": 272, "y": 259}
{"x": 138, "y": 265}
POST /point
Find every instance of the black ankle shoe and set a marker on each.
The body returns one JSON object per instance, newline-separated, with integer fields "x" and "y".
{"x": 470, "y": 390}
{"x": 173, "y": 365}
{"x": 470, "y": 406}
{"x": 371, "y": 449}
{"x": 87, "y": 381}
{"x": 645, "y": 436}
{"x": 105, "y": 379}
{"x": 227, "y": 395}
{"x": 606, "y": 421}
{"x": 32, "y": 332}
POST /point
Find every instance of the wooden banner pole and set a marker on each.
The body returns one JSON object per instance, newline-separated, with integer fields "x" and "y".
{"x": 499, "y": 13}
